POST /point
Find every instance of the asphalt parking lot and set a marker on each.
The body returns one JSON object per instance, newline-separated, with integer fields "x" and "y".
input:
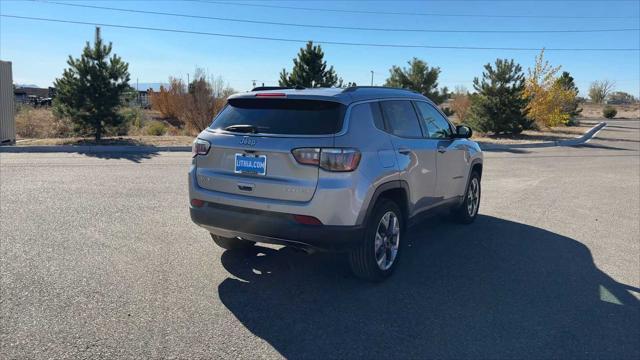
{"x": 99, "y": 259}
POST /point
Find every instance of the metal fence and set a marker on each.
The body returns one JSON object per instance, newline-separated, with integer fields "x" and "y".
{"x": 7, "y": 107}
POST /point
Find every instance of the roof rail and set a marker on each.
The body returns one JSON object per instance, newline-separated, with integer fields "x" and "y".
{"x": 354, "y": 88}
{"x": 263, "y": 88}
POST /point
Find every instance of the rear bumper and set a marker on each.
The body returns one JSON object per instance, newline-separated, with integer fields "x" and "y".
{"x": 274, "y": 228}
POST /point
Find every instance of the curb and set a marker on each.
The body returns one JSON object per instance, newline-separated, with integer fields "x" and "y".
{"x": 152, "y": 149}
{"x": 588, "y": 135}
{"x": 585, "y": 137}
{"x": 92, "y": 149}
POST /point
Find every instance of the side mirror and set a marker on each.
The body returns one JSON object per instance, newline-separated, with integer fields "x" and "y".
{"x": 463, "y": 132}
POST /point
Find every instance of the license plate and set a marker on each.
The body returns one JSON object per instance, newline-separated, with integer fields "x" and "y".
{"x": 251, "y": 164}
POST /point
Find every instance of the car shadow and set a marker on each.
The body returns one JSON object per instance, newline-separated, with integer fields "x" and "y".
{"x": 133, "y": 155}
{"x": 495, "y": 289}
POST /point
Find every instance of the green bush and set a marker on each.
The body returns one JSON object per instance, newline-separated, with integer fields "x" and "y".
{"x": 132, "y": 116}
{"x": 156, "y": 128}
{"x": 609, "y": 112}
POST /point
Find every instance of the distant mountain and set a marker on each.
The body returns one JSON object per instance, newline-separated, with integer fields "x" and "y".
{"x": 141, "y": 86}
{"x": 26, "y": 85}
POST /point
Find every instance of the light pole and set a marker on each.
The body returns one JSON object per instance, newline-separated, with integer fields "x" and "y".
{"x": 371, "y": 77}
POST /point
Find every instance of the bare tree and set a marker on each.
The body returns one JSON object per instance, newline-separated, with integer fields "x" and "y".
{"x": 206, "y": 97}
{"x": 599, "y": 90}
{"x": 460, "y": 103}
{"x": 169, "y": 101}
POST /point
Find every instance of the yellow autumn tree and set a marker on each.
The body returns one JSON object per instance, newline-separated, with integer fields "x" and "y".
{"x": 547, "y": 97}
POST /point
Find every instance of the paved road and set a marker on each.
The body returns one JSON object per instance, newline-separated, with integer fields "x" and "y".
{"x": 99, "y": 260}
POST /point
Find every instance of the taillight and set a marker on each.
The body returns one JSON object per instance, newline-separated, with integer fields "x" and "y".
{"x": 330, "y": 159}
{"x": 307, "y": 156}
{"x": 200, "y": 147}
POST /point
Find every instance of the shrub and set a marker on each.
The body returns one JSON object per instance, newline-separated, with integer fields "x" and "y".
{"x": 132, "y": 116}
{"x": 156, "y": 128}
{"x": 169, "y": 101}
{"x": 549, "y": 98}
{"x": 609, "y": 112}
{"x": 461, "y": 104}
{"x": 194, "y": 108}
{"x": 41, "y": 123}
{"x": 448, "y": 111}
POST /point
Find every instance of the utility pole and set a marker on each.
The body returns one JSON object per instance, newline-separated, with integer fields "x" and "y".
{"x": 371, "y": 77}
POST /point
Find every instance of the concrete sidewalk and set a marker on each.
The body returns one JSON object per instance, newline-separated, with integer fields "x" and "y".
{"x": 588, "y": 135}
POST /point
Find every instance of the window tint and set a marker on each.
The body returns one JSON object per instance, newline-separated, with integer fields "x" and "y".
{"x": 401, "y": 118}
{"x": 437, "y": 126}
{"x": 283, "y": 116}
{"x": 377, "y": 116}
{"x": 368, "y": 112}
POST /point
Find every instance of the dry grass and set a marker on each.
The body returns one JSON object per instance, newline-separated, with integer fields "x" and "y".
{"x": 40, "y": 123}
{"x": 594, "y": 111}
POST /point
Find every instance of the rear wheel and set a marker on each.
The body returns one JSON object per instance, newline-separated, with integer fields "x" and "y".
{"x": 232, "y": 243}
{"x": 467, "y": 211}
{"x": 377, "y": 255}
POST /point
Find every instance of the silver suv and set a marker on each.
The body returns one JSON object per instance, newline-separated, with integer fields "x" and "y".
{"x": 344, "y": 170}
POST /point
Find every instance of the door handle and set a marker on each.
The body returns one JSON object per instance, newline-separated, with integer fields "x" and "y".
{"x": 442, "y": 149}
{"x": 404, "y": 151}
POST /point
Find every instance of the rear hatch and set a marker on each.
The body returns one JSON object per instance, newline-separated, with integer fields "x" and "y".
{"x": 251, "y": 143}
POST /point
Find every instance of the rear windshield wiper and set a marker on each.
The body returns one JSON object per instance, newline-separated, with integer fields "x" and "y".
{"x": 249, "y": 129}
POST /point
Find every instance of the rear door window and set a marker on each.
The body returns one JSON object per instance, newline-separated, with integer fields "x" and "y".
{"x": 281, "y": 116}
{"x": 401, "y": 118}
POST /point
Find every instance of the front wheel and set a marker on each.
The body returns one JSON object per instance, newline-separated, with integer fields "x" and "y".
{"x": 377, "y": 255}
{"x": 467, "y": 212}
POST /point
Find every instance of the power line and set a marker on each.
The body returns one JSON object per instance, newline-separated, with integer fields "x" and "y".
{"x": 415, "y": 13}
{"x": 330, "y": 26}
{"x": 316, "y": 41}
{"x": 478, "y": 1}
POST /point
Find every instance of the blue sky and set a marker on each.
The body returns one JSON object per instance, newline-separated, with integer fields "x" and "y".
{"x": 39, "y": 50}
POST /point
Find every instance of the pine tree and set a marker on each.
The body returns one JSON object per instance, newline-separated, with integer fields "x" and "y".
{"x": 566, "y": 82}
{"x": 499, "y": 105}
{"x": 418, "y": 77}
{"x": 92, "y": 89}
{"x": 310, "y": 70}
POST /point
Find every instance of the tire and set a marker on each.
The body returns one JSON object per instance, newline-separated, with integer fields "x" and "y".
{"x": 365, "y": 260}
{"x": 232, "y": 243}
{"x": 467, "y": 212}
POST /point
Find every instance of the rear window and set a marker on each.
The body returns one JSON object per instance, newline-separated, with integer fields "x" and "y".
{"x": 282, "y": 116}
